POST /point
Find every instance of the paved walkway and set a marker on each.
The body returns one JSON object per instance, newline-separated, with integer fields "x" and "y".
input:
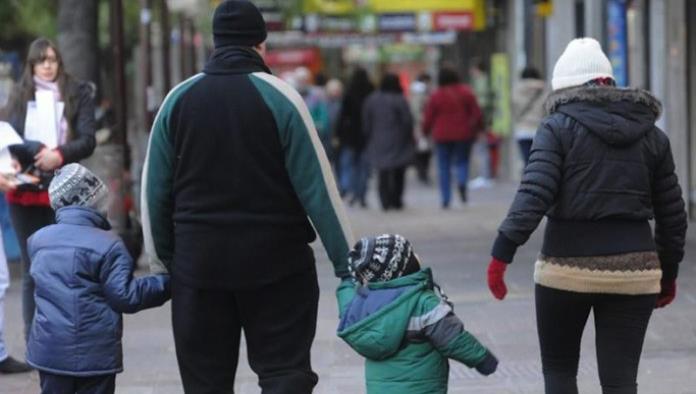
{"x": 456, "y": 244}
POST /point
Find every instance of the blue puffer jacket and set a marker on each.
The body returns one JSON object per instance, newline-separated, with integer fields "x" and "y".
{"x": 84, "y": 281}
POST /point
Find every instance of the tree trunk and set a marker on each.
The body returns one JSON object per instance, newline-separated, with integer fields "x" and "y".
{"x": 77, "y": 38}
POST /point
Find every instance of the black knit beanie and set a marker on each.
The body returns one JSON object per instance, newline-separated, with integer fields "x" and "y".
{"x": 382, "y": 258}
{"x": 238, "y": 23}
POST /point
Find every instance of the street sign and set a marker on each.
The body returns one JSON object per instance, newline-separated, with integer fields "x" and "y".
{"x": 456, "y": 21}
{"x": 397, "y": 22}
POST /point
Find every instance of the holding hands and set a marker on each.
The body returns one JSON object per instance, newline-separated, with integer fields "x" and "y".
{"x": 48, "y": 159}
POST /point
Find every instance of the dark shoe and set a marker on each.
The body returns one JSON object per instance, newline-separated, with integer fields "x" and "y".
{"x": 462, "y": 192}
{"x": 10, "y": 365}
{"x": 363, "y": 203}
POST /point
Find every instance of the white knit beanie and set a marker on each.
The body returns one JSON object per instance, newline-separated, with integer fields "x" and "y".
{"x": 581, "y": 62}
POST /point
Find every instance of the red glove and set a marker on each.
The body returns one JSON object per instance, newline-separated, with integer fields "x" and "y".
{"x": 667, "y": 294}
{"x": 496, "y": 272}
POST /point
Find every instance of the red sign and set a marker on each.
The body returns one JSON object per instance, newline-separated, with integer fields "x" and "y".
{"x": 286, "y": 57}
{"x": 459, "y": 21}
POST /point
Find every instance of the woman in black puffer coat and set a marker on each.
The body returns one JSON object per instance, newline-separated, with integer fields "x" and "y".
{"x": 600, "y": 170}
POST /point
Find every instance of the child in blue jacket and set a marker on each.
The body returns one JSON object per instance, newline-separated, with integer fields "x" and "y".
{"x": 84, "y": 282}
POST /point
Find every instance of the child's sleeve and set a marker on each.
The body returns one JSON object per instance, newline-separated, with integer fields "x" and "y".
{"x": 446, "y": 332}
{"x": 344, "y": 294}
{"x": 127, "y": 294}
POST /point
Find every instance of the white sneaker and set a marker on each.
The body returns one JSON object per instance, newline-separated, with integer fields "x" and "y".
{"x": 480, "y": 183}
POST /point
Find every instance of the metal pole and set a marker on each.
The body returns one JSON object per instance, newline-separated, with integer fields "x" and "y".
{"x": 117, "y": 50}
{"x": 146, "y": 62}
{"x": 166, "y": 39}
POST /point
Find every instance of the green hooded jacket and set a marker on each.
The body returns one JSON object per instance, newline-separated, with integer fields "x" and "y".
{"x": 406, "y": 332}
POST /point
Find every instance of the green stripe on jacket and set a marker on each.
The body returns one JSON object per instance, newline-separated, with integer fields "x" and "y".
{"x": 308, "y": 168}
{"x": 158, "y": 183}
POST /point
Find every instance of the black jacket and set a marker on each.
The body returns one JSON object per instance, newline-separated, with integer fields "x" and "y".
{"x": 80, "y": 143}
{"x": 233, "y": 170}
{"x": 599, "y": 170}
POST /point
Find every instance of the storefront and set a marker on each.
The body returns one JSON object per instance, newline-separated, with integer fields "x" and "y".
{"x": 404, "y": 36}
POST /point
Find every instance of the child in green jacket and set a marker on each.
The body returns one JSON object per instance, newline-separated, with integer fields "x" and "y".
{"x": 394, "y": 317}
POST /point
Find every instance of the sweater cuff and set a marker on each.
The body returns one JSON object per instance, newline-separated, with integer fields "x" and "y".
{"x": 343, "y": 273}
{"x": 488, "y": 365}
{"x": 669, "y": 262}
{"x": 504, "y": 249}
{"x": 670, "y": 271}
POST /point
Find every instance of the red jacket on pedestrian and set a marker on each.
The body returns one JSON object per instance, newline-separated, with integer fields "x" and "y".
{"x": 452, "y": 114}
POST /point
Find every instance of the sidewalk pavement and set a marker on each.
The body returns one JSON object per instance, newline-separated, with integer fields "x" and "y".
{"x": 456, "y": 244}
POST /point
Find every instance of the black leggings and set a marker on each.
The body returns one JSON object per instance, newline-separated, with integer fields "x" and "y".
{"x": 620, "y": 325}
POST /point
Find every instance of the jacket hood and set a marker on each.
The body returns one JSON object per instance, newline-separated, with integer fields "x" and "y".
{"x": 376, "y": 320}
{"x": 82, "y": 216}
{"x": 617, "y": 116}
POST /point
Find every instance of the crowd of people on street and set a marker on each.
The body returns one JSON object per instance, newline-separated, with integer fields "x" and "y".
{"x": 240, "y": 177}
{"x": 387, "y": 128}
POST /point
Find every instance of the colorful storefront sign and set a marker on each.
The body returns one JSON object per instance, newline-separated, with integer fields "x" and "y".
{"x": 397, "y": 22}
{"x": 329, "y": 6}
{"x": 397, "y": 15}
{"x": 476, "y": 8}
{"x": 331, "y": 24}
{"x": 455, "y": 21}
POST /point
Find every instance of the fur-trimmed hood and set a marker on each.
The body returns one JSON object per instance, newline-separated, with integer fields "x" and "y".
{"x": 618, "y": 116}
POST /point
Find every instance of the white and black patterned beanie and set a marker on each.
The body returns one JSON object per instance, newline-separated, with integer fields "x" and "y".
{"x": 74, "y": 184}
{"x": 382, "y": 258}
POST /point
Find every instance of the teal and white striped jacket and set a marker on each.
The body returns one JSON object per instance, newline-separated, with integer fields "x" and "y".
{"x": 233, "y": 170}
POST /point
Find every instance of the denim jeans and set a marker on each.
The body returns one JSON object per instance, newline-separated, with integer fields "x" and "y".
{"x": 525, "y": 149}
{"x": 446, "y": 152}
{"x": 4, "y": 284}
{"x": 354, "y": 173}
{"x": 27, "y": 220}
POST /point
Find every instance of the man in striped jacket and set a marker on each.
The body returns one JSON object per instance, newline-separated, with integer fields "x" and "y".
{"x": 233, "y": 171}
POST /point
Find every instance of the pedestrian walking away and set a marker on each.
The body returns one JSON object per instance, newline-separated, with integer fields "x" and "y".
{"x": 528, "y": 109}
{"x": 482, "y": 151}
{"x": 84, "y": 282}
{"x": 354, "y": 169}
{"x": 599, "y": 169}
{"x": 420, "y": 91}
{"x": 394, "y": 315}
{"x": 233, "y": 175}
{"x": 73, "y": 141}
{"x": 454, "y": 119}
{"x": 388, "y": 129}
